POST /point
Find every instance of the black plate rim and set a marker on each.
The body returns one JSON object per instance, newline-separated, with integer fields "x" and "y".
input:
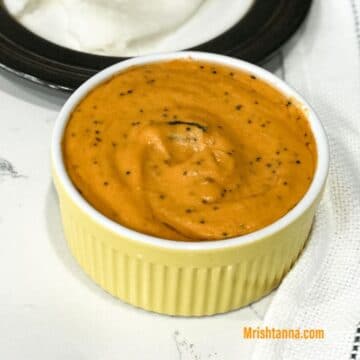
{"x": 255, "y": 38}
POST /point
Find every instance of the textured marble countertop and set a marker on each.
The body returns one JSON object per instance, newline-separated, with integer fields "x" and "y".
{"x": 49, "y": 308}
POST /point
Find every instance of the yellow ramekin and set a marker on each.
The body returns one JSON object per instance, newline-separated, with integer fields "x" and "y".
{"x": 184, "y": 278}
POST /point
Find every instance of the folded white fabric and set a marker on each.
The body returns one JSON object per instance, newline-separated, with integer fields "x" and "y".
{"x": 323, "y": 289}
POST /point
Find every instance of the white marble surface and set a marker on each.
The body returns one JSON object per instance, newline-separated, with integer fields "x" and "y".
{"x": 49, "y": 309}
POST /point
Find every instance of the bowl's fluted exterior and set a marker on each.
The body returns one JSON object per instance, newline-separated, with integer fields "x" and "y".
{"x": 178, "y": 281}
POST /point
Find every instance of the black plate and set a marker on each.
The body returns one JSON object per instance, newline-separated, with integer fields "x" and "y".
{"x": 267, "y": 25}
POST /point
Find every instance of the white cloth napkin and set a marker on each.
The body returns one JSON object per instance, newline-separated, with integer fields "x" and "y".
{"x": 323, "y": 289}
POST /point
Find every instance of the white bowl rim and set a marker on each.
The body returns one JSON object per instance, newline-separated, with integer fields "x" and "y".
{"x": 309, "y": 198}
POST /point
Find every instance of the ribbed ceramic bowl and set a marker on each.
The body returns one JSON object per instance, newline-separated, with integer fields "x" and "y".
{"x": 184, "y": 278}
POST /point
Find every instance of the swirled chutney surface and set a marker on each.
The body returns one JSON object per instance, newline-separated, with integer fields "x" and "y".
{"x": 189, "y": 151}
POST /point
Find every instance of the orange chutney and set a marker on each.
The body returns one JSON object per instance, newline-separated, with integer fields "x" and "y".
{"x": 188, "y": 150}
